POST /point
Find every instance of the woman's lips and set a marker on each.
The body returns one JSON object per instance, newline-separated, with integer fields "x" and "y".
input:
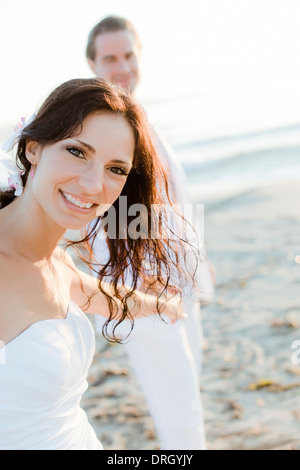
{"x": 77, "y": 208}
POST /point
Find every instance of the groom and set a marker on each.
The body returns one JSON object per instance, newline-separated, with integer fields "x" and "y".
{"x": 165, "y": 358}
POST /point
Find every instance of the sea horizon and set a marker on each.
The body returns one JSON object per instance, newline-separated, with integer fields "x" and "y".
{"x": 223, "y": 149}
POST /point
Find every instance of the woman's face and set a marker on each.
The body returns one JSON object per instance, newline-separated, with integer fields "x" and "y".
{"x": 78, "y": 178}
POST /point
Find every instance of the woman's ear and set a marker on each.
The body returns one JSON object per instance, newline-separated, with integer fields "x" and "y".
{"x": 31, "y": 152}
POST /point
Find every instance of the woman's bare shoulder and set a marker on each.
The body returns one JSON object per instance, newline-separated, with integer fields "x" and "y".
{"x": 11, "y": 302}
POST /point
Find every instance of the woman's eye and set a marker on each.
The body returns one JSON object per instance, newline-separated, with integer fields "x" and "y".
{"x": 118, "y": 171}
{"x": 76, "y": 152}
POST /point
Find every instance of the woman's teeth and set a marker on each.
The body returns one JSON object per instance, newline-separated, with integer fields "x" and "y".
{"x": 76, "y": 202}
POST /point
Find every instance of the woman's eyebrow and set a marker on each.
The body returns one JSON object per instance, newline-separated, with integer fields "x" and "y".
{"x": 126, "y": 162}
{"x": 88, "y": 146}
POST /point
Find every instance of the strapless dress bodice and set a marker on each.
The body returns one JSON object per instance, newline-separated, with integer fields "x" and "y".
{"x": 42, "y": 379}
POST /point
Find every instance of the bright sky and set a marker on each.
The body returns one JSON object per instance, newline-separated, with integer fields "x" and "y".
{"x": 235, "y": 47}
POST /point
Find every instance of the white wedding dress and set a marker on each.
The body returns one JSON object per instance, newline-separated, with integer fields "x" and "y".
{"x": 42, "y": 380}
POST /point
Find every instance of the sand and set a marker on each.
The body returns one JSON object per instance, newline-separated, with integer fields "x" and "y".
{"x": 251, "y": 380}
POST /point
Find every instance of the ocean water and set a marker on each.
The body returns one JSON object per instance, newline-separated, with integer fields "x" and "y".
{"x": 227, "y": 147}
{"x": 230, "y": 165}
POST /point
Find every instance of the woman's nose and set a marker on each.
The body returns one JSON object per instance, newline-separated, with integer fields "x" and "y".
{"x": 92, "y": 179}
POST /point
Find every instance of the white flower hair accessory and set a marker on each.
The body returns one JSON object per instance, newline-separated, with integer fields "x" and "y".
{"x": 18, "y": 129}
{"x": 14, "y": 175}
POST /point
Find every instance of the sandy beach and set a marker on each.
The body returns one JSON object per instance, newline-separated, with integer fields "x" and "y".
{"x": 251, "y": 373}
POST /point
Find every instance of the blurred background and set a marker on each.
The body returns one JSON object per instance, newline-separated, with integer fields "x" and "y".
{"x": 221, "y": 79}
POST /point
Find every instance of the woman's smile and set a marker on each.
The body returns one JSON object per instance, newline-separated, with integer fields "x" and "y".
{"x": 78, "y": 204}
{"x": 78, "y": 201}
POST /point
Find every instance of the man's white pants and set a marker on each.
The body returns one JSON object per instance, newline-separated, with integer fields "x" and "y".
{"x": 163, "y": 358}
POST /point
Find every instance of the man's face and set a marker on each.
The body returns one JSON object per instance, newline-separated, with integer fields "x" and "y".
{"x": 117, "y": 59}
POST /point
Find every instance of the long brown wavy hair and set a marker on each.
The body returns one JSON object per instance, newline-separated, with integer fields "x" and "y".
{"x": 61, "y": 116}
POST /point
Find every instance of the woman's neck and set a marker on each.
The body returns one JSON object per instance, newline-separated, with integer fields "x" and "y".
{"x": 25, "y": 230}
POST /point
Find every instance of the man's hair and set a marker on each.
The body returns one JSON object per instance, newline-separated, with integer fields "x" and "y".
{"x": 109, "y": 24}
